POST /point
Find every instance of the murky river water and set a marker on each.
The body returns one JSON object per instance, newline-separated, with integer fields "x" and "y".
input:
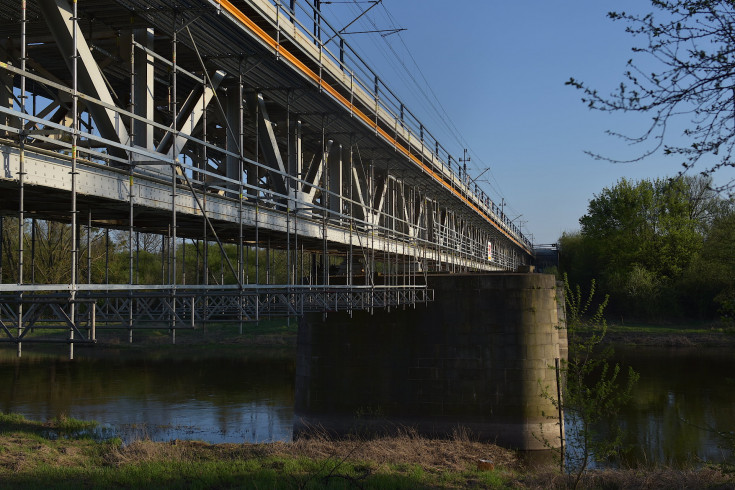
{"x": 681, "y": 392}
{"x": 212, "y": 400}
{"x": 683, "y": 395}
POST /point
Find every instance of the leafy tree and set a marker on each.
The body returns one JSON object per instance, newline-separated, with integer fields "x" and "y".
{"x": 645, "y": 223}
{"x": 681, "y": 74}
{"x": 577, "y": 257}
{"x": 660, "y": 248}
{"x": 718, "y": 254}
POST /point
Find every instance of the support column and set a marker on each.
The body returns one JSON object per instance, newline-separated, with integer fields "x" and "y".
{"x": 477, "y": 357}
{"x": 336, "y": 183}
{"x": 143, "y": 89}
{"x": 6, "y": 92}
{"x": 296, "y": 166}
{"x": 232, "y": 162}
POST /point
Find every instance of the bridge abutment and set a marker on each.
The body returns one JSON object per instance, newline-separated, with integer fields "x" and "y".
{"x": 478, "y": 357}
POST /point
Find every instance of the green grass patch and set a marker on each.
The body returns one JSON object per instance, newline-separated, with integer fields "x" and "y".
{"x": 667, "y": 329}
{"x": 70, "y": 426}
{"x": 60, "y": 427}
{"x": 31, "y": 457}
{"x": 276, "y": 473}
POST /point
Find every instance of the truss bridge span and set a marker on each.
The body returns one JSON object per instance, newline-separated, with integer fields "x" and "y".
{"x": 184, "y": 150}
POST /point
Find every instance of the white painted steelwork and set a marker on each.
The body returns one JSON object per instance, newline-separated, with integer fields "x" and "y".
{"x": 216, "y": 122}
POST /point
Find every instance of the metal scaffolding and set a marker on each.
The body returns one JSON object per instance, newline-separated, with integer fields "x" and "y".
{"x": 267, "y": 169}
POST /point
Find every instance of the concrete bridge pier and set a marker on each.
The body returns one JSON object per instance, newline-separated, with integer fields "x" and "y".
{"x": 478, "y": 357}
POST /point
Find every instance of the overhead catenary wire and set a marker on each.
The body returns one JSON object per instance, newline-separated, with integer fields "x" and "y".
{"x": 429, "y": 101}
{"x": 445, "y": 118}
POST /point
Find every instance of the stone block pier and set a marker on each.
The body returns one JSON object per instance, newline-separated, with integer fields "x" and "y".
{"x": 476, "y": 358}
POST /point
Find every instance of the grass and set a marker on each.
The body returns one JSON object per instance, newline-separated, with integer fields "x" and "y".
{"x": 30, "y": 458}
{"x": 60, "y": 427}
{"x": 668, "y": 329}
{"x": 670, "y": 334}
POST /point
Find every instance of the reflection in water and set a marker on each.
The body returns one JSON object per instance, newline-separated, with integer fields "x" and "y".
{"x": 681, "y": 396}
{"x": 236, "y": 400}
{"x": 216, "y": 400}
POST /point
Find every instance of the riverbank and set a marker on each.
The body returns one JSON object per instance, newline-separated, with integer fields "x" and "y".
{"x": 274, "y": 338}
{"x": 62, "y": 454}
{"x": 277, "y": 338}
{"x": 671, "y": 335}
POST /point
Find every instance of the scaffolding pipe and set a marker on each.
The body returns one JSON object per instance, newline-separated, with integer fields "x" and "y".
{"x": 240, "y": 169}
{"x": 33, "y": 250}
{"x": 174, "y": 168}
{"x": 89, "y": 246}
{"x": 131, "y": 168}
{"x": 74, "y": 153}
{"x": 21, "y": 165}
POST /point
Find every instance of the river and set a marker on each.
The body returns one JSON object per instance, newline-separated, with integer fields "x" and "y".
{"x": 215, "y": 400}
{"x": 681, "y": 393}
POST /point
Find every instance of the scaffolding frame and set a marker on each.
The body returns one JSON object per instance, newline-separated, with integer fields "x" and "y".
{"x": 223, "y": 124}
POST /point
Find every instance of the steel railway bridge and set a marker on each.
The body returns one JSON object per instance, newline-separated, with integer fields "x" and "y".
{"x": 277, "y": 172}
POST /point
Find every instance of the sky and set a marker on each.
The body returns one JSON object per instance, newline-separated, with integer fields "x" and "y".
{"x": 498, "y": 70}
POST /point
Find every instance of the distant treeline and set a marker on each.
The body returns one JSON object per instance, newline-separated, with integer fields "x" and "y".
{"x": 104, "y": 257}
{"x": 662, "y": 249}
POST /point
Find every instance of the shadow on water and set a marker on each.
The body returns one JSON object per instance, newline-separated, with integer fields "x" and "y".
{"x": 216, "y": 400}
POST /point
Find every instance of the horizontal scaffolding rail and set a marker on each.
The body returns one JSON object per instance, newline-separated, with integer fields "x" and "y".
{"x": 217, "y": 160}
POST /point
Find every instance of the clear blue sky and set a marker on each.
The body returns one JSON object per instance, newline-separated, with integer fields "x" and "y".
{"x": 498, "y": 68}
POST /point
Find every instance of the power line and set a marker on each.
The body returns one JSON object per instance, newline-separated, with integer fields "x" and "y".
{"x": 446, "y": 119}
{"x": 428, "y": 100}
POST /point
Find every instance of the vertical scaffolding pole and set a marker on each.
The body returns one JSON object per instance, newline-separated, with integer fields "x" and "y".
{"x": 268, "y": 270}
{"x": 257, "y": 261}
{"x": 107, "y": 256}
{"x": 256, "y": 169}
{"x": 325, "y": 208}
{"x": 163, "y": 254}
{"x": 174, "y": 168}
{"x": 33, "y": 250}
{"x": 2, "y": 231}
{"x": 134, "y": 140}
{"x": 205, "y": 242}
{"x": 241, "y": 138}
{"x": 349, "y": 250}
{"x": 289, "y": 188}
{"x": 74, "y": 156}
{"x": 21, "y": 165}
{"x": 393, "y": 195}
{"x": 89, "y": 246}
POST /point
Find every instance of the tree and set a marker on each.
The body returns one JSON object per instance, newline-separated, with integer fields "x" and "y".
{"x": 681, "y": 74}
{"x": 648, "y": 224}
{"x": 660, "y": 248}
{"x": 718, "y": 254}
{"x": 47, "y": 252}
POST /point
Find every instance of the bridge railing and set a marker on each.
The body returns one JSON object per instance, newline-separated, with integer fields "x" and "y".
{"x": 154, "y": 165}
{"x": 313, "y": 33}
{"x": 141, "y": 161}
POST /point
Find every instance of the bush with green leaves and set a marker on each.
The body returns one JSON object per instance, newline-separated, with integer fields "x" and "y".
{"x": 593, "y": 390}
